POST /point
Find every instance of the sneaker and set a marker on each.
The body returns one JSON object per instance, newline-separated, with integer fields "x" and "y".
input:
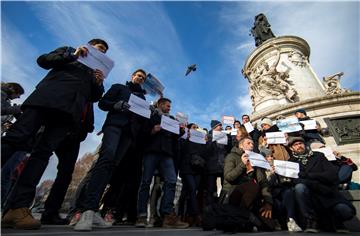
{"x": 311, "y": 226}
{"x": 99, "y": 222}
{"x": 141, "y": 222}
{"x": 172, "y": 221}
{"x": 75, "y": 218}
{"x": 292, "y": 226}
{"x": 85, "y": 222}
{"x": 20, "y": 218}
{"x": 340, "y": 228}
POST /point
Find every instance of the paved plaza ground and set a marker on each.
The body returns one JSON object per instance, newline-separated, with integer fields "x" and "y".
{"x": 131, "y": 231}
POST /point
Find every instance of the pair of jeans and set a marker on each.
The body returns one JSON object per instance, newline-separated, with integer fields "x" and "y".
{"x": 7, "y": 172}
{"x": 343, "y": 212}
{"x": 303, "y": 199}
{"x": 115, "y": 144}
{"x": 345, "y": 173}
{"x": 165, "y": 165}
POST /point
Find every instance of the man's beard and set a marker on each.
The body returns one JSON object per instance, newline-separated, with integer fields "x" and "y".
{"x": 300, "y": 151}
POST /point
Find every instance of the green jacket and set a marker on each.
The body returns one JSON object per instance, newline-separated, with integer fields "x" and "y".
{"x": 235, "y": 174}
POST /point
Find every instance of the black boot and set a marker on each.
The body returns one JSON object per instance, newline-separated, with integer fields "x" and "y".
{"x": 53, "y": 219}
{"x": 311, "y": 226}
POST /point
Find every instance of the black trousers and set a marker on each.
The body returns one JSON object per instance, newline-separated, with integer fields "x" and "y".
{"x": 67, "y": 154}
{"x": 57, "y": 126}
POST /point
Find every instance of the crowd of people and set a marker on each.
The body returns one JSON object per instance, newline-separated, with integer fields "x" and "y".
{"x": 140, "y": 163}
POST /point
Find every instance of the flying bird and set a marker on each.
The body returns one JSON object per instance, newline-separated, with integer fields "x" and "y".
{"x": 190, "y": 68}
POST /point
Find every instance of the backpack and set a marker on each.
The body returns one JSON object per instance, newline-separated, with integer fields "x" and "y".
{"x": 226, "y": 217}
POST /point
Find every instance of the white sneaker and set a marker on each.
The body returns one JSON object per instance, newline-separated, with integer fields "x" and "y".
{"x": 292, "y": 226}
{"x": 99, "y": 222}
{"x": 86, "y": 221}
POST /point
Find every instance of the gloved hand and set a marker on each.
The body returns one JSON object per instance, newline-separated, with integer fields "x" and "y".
{"x": 121, "y": 105}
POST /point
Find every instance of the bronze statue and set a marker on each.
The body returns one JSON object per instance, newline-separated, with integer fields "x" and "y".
{"x": 261, "y": 30}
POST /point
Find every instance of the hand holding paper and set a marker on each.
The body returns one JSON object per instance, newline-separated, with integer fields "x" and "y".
{"x": 139, "y": 106}
{"x": 258, "y": 160}
{"x": 94, "y": 59}
{"x": 81, "y": 51}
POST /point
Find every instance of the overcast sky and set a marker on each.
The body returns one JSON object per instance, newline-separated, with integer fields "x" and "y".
{"x": 165, "y": 37}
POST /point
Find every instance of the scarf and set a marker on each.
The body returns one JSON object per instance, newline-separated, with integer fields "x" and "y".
{"x": 303, "y": 158}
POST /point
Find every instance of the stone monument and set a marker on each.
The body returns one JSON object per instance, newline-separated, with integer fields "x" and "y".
{"x": 281, "y": 80}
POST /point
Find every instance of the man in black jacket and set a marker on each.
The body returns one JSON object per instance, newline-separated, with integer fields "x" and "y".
{"x": 57, "y": 103}
{"x": 120, "y": 130}
{"x": 316, "y": 190}
{"x": 159, "y": 152}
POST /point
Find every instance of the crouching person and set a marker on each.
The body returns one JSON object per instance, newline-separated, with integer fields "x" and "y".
{"x": 247, "y": 186}
{"x": 316, "y": 190}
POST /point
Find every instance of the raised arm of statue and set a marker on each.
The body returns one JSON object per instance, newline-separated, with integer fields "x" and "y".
{"x": 336, "y": 76}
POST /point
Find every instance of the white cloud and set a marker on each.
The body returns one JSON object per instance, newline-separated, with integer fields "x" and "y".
{"x": 18, "y": 59}
{"x": 244, "y": 103}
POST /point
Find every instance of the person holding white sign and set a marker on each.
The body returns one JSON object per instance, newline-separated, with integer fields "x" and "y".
{"x": 192, "y": 166}
{"x": 283, "y": 194}
{"x": 311, "y": 135}
{"x": 121, "y": 129}
{"x": 254, "y": 133}
{"x": 215, "y": 154}
{"x": 344, "y": 165}
{"x": 57, "y": 103}
{"x": 316, "y": 189}
{"x": 245, "y": 185}
{"x": 160, "y": 148}
{"x": 279, "y": 150}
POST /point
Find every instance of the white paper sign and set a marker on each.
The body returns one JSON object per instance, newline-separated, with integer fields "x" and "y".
{"x": 182, "y": 118}
{"x": 197, "y": 136}
{"x": 275, "y": 137}
{"x": 309, "y": 124}
{"x": 97, "y": 60}
{"x": 170, "y": 125}
{"x": 287, "y": 168}
{"x": 327, "y": 152}
{"x": 258, "y": 160}
{"x": 289, "y": 125}
{"x": 248, "y": 126}
{"x": 228, "y": 120}
{"x": 139, "y": 106}
{"x": 220, "y": 137}
{"x": 233, "y": 132}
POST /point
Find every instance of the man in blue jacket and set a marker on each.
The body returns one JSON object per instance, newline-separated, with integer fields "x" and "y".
{"x": 120, "y": 130}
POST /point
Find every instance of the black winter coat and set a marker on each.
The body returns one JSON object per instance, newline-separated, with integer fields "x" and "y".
{"x": 162, "y": 142}
{"x": 215, "y": 154}
{"x": 187, "y": 151}
{"x": 68, "y": 87}
{"x": 120, "y": 92}
{"x": 321, "y": 177}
